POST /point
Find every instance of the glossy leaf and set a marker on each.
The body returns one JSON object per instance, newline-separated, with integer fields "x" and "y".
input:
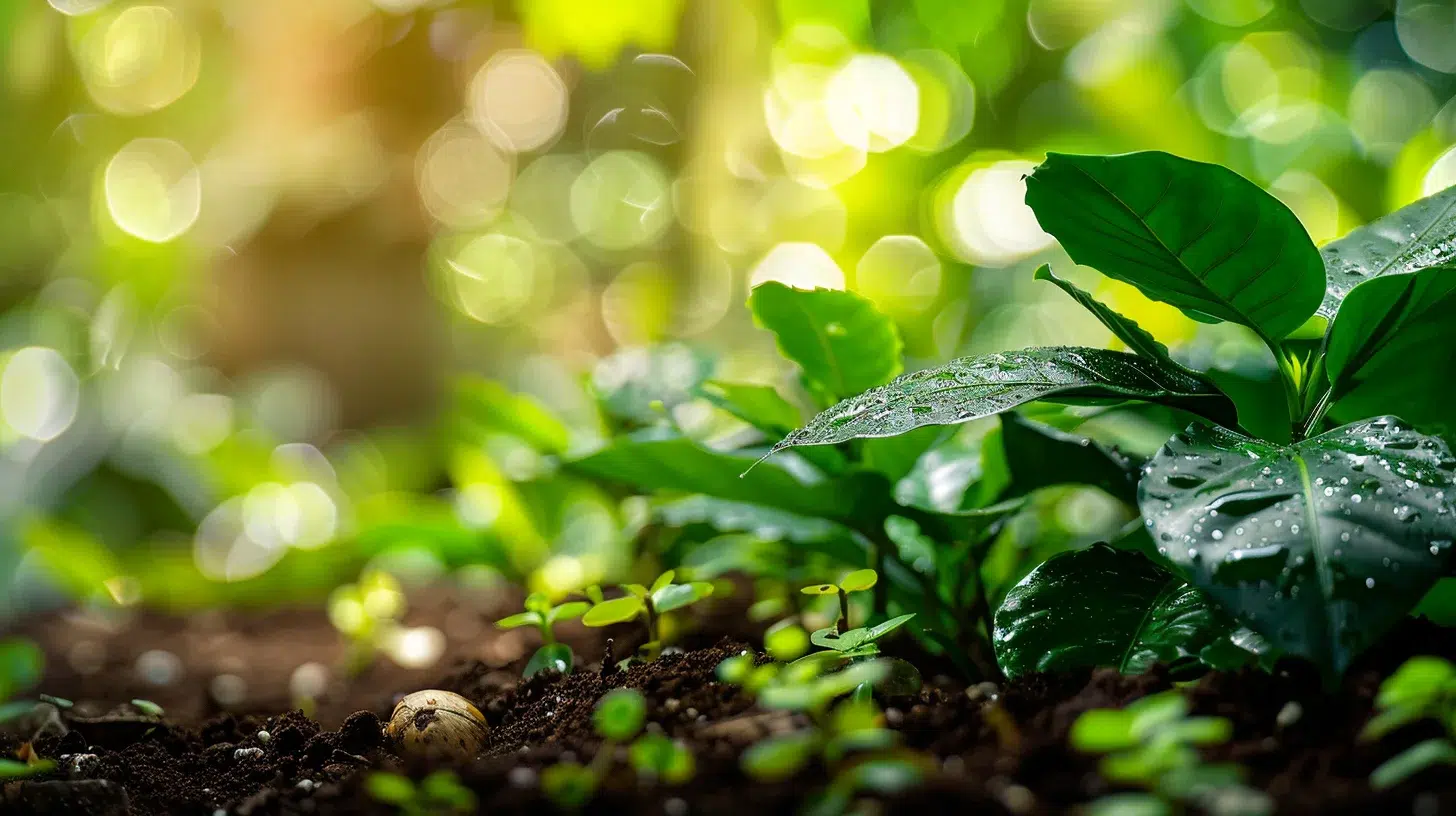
{"x": 663, "y": 580}
{"x": 1135, "y": 337}
{"x": 519, "y": 619}
{"x": 1384, "y": 326}
{"x": 840, "y": 340}
{"x": 1318, "y": 546}
{"x": 1412, "y": 238}
{"x": 859, "y": 580}
{"x": 679, "y": 595}
{"x": 617, "y": 610}
{"x": 1197, "y": 236}
{"x": 567, "y": 611}
{"x": 1102, "y": 607}
{"x": 974, "y": 387}
{"x": 554, "y": 656}
{"x": 655, "y": 460}
{"x": 759, "y": 405}
{"x": 620, "y": 713}
{"x": 1039, "y": 456}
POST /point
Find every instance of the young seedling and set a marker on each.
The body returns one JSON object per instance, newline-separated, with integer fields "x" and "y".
{"x": 365, "y": 613}
{"x": 1423, "y": 688}
{"x": 437, "y": 794}
{"x": 857, "y": 581}
{"x": 541, "y": 614}
{"x": 648, "y": 603}
{"x": 619, "y": 717}
{"x": 1153, "y": 743}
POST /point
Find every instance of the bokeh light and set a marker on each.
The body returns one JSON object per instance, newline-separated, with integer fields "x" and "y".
{"x": 872, "y": 103}
{"x": 518, "y": 100}
{"x": 463, "y": 177}
{"x": 622, "y": 199}
{"x": 495, "y": 276}
{"x": 153, "y": 189}
{"x": 981, "y": 213}
{"x": 900, "y": 273}
{"x": 139, "y": 58}
{"x": 800, "y": 265}
{"x": 39, "y": 393}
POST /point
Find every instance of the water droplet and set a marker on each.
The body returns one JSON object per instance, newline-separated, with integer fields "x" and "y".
{"x": 1369, "y": 583}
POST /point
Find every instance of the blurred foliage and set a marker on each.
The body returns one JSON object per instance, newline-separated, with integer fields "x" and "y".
{"x": 294, "y": 292}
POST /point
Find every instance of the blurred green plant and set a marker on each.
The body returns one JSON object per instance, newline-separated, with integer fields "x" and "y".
{"x": 438, "y": 794}
{"x": 1423, "y": 688}
{"x": 619, "y": 717}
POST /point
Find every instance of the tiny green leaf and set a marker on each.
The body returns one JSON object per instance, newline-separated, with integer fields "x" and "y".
{"x": 389, "y": 788}
{"x": 878, "y": 631}
{"x": 568, "y": 611}
{"x": 680, "y": 595}
{"x": 147, "y": 707}
{"x": 780, "y": 756}
{"x": 553, "y": 656}
{"x": 568, "y": 784}
{"x": 735, "y": 669}
{"x": 786, "y": 641}
{"x": 519, "y": 619}
{"x": 840, "y": 340}
{"x": 619, "y": 714}
{"x": 821, "y": 589}
{"x": 859, "y": 580}
{"x": 1102, "y": 730}
{"x": 656, "y": 756}
{"x": 662, "y": 581}
{"x": 617, "y": 610}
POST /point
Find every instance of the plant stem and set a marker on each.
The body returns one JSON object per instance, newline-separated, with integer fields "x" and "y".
{"x": 1316, "y": 414}
{"x": 843, "y": 623}
{"x": 1292, "y": 398}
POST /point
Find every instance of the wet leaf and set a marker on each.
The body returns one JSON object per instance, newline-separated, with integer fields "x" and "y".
{"x": 1197, "y": 236}
{"x": 840, "y": 340}
{"x": 1412, "y": 238}
{"x": 1135, "y": 337}
{"x": 1102, "y": 607}
{"x": 554, "y": 656}
{"x": 974, "y": 387}
{"x": 1318, "y": 546}
{"x": 1385, "y": 324}
{"x": 1040, "y": 455}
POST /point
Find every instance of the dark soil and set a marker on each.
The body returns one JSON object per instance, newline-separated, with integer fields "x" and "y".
{"x": 1003, "y": 753}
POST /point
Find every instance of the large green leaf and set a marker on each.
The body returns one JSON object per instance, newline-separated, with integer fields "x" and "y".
{"x": 1386, "y": 326}
{"x": 1408, "y": 240}
{"x": 654, "y": 459}
{"x": 838, "y": 338}
{"x": 765, "y": 523}
{"x": 974, "y": 387}
{"x": 1040, "y": 455}
{"x": 1195, "y": 235}
{"x": 759, "y": 405}
{"x": 1102, "y": 607}
{"x": 1319, "y": 546}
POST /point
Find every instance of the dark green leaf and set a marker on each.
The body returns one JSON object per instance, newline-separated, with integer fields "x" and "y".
{"x": 1383, "y": 326}
{"x": 21, "y": 663}
{"x": 554, "y": 656}
{"x": 766, "y": 523}
{"x": 620, "y": 713}
{"x": 654, "y": 460}
{"x": 974, "y": 387}
{"x": 758, "y": 405}
{"x": 896, "y": 456}
{"x": 1197, "y": 236}
{"x": 1409, "y": 239}
{"x": 1042, "y": 456}
{"x": 1318, "y": 546}
{"x": 1427, "y": 754}
{"x": 1135, "y": 337}
{"x": 837, "y": 337}
{"x": 1102, "y": 607}
{"x": 961, "y": 473}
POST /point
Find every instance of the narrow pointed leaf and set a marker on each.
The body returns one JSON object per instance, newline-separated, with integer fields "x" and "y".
{"x": 1386, "y": 325}
{"x": 759, "y": 405}
{"x": 1412, "y": 238}
{"x": 1197, "y": 236}
{"x": 975, "y": 387}
{"x": 1135, "y": 337}
{"x": 1319, "y": 546}
{"x": 1102, "y": 607}
{"x": 840, "y": 340}
{"x": 663, "y": 580}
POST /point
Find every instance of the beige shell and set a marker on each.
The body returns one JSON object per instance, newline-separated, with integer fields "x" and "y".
{"x": 434, "y": 722}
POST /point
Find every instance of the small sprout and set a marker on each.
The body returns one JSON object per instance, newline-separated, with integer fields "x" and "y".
{"x": 650, "y": 603}
{"x": 147, "y": 707}
{"x": 857, "y": 581}
{"x": 619, "y": 714}
{"x": 569, "y": 784}
{"x": 1422, "y": 688}
{"x": 11, "y": 769}
{"x": 656, "y": 757}
{"x": 786, "y": 641}
{"x": 542, "y": 615}
{"x": 434, "y": 721}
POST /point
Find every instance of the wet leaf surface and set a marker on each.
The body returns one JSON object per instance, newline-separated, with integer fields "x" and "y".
{"x": 838, "y": 338}
{"x": 1412, "y": 238}
{"x": 1318, "y": 546}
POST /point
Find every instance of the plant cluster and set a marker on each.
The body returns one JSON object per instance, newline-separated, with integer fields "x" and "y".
{"x": 1424, "y": 688}
{"x": 648, "y": 604}
{"x": 618, "y": 719}
{"x": 541, "y": 614}
{"x": 439, "y": 794}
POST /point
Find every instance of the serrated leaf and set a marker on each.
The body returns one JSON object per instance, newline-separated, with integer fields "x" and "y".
{"x": 1384, "y": 325}
{"x": 1102, "y": 607}
{"x": 1135, "y": 337}
{"x": 1412, "y": 238}
{"x": 837, "y": 337}
{"x": 975, "y": 387}
{"x": 759, "y": 405}
{"x": 1039, "y": 456}
{"x": 616, "y": 610}
{"x": 1194, "y": 235}
{"x": 1319, "y": 546}
{"x": 655, "y": 460}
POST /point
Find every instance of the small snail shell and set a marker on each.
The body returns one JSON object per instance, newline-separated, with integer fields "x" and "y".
{"x": 439, "y": 723}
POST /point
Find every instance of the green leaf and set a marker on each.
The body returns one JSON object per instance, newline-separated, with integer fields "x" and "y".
{"x": 568, "y": 784}
{"x": 780, "y": 756}
{"x": 1197, "y": 236}
{"x": 391, "y": 789}
{"x": 786, "y": 640}
{"x": 1102, "y": 607}
{"x": 859, "y": 580}
{"x": 837, "y": 337}
{"x": 1421, "y": 681}
{"x": 567, "y": 611}
{"x": 619, "y": 714}
{"x": 1426, "y": 754}
{"x": 617, "y": 610}
{"x": 519, "y": 619}
{"x": 830, "y": 638}
{"x": 679, "y": 595}
{"x": 1383, "y": 326}
{"x": 1319, "y": 546}
{"x": 638, "y": 384}
{"x": 975, "y": 387}
{"x": 656, "y": 756}
{"x": 1102, "y": 730}
{"x": 820, "y": 589}
{"x": 1412, "y": 238}
{"x": 484, "y": 405}
{"x": 663, "y": 580}
{"x": 21, "y": 664}
{"x": 759, "y": 405}
{"x": 878, "y": 631}
{"x": 1039, "y": 456}
{"x": 1135, "y": 337}
{"x": 766, "y": 523}
{"x": 657, "y": 461}
{"x": 554, "y": 656}
{"x": 896, "y": 456}
{"x": 1129, "y": 804}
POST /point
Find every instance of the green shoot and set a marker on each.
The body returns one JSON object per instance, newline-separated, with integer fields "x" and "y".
{"x": 541, "y": 614}
{"x": 1424, "y": 688}
{"x": 857, "y": 581}
{"x": 649, "y": 603}
{"x": 619, "y": 717}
